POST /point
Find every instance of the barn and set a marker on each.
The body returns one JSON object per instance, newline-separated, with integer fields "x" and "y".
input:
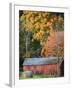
{"x": 46, "y": 66}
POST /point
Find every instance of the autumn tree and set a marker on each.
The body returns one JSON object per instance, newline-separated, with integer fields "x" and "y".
{"x": 37, "y": 25}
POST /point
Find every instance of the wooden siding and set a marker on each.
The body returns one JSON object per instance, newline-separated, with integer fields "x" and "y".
{"x": 42, "y": 69}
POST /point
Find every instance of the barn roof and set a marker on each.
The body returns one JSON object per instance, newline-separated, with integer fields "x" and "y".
{"x": 41, "y": 61}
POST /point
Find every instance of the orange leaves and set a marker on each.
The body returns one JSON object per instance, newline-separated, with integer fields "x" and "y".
{"x": 41, "y": 22}
{"x": 49, "y": 24}
{"x": 41, "y": 25}
{"x": 51, "y": 47}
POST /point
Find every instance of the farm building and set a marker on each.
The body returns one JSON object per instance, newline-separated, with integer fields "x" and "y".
{"x": 46, "y": 66}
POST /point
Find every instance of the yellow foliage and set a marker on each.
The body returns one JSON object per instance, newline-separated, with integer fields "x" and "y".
{"x": 40, "y": 21}
{"x": 38, "y": 36}
{"x": 37, "y": 25}
{"x": 45, "y": 14}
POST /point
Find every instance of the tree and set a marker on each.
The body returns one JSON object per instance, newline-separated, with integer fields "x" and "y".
{"x": 38, "y": 24}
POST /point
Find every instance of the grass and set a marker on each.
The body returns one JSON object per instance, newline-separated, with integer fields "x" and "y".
{"x": 38, "y": 76}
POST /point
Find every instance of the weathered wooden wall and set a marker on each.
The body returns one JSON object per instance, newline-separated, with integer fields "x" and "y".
{"x": 42, "y": 69}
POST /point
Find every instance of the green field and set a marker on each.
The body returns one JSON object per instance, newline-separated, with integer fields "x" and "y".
{"x": 39, "y": 76}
